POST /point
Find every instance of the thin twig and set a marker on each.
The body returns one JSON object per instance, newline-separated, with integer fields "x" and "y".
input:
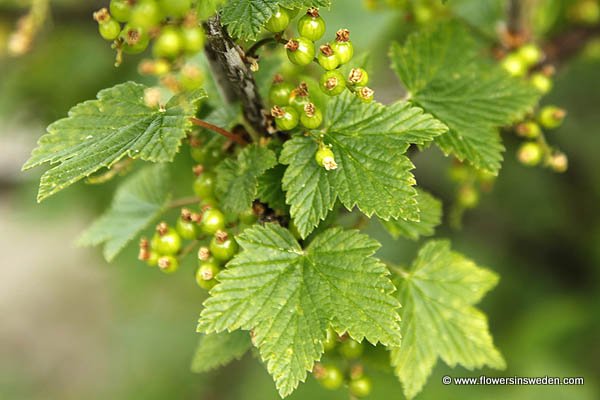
{"x": 398, "y": 270}
{"x": 188, "y": 249}
{"x": 185, "y": 201}
{"x": 231, "y": 136}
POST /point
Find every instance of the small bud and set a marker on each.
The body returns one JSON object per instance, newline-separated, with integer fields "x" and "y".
{"x": 552, "y": 117}
{"x": 559, "y": 162}
{"x": 198, "y": 169}
{"x": 529, "y": 130}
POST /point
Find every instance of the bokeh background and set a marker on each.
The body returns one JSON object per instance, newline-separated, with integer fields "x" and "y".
{"x": 73, "y": 326}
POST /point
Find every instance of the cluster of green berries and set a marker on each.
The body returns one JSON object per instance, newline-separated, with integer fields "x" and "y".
{"x": 584, "y": 12}
{"x": 331, "y": 377}
{"x": 535, "y": 150}
{"x": 525, "y": 62}
{"x": 171, "y": 25}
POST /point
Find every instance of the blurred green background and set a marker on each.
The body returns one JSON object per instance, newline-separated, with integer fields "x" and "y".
{"x": 74, "y": 327}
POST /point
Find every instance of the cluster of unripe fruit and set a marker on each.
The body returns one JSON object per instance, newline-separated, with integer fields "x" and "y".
{"x": 331, "y": 377}
{"x": 171, "y": 25}
{"x": 535, "y": 150}
{"x": 525, "y": 61}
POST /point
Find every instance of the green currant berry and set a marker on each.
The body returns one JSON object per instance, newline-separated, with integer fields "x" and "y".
{"x": 329, "y": 376}
{"x": 300, "y": 51}
{"x": 552, "y": 117}
{"x": 530, "y": 54}
{"x": 299, "y": 97}
{"x": 530, "y": 154}
{"x": 514, "y": 65}
{"x": 152, "y": 260}
{"x": 248, "y": 216}
{"x": 342, "y": 46}
{"x": 168, "y": 264}
{"x": 205, "y": 155}
{"x": 529, "y": 129}
{"x": 365, "y": 94}
{"x": 223, "y": 247}
{"x": 175, "y": 8}
{"x": 360, "y": 387}
{"x": 205, "y": 274}
{"x": 358, "y": 77}
{"x": 351, "y": 349}
{"x": 212, "y": 221}
{"x": 145, "y": 14}
{"x": 279, "y": 94}
{"x": 325, "y": 158}
{"x": 541, "y": 82}
{"x": 135, "y": 40}
{"x": 468, "y": 197}
{"x": 332, "y": 83}
{"x": 286, "y": 118}
{"x": 279, "y": 21}
{"x": 312, "y": 117}
{"x": 311, "y": 25}
{"x": 166, "y": 241}
{"x": 559, "y": 162}
{"x": 193, "y": 39}
{"x": 186, "y": 227}
{"x": 204, "y": 185}
{"x": 109, "y": 30}
{"x": 327, "y": 58}
{"x": 120, "y": 10}
{"x": 168, "y": 44}
{"x": 330, "y": 340}
{"x": 191, "y": 77}
{"x": 585, "y": 12}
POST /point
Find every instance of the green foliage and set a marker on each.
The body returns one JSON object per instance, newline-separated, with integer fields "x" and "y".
{"x": 430, "y": 213}
{"x": 99, "y": 133}
{"x": 269, "y": 188}
{"x": 368, "y": 141}
{"x": 237, "y": 183}
{"x": 444, "y": 74}
{"x": 288, "y": 295}
{"x": 139, "y": 200}
{"x": 245, "y": 18}
{"x": 215, "y": 350}
{"x": 439, "y": 319}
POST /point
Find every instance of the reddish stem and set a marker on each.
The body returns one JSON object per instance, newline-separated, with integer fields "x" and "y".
{"x": 231, "y": 136}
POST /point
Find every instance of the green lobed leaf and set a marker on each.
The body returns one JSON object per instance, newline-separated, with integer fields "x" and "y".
{"x": 99, "y": 133}
{"x": 288, "y": 295}
{"x": 237, "y": 179}
{"x": 141, "y": 199}
{"x": 430, "y": 213}
{"x": 245, "y": 18}
{"x": 444, "y": 74}
{"x": 215, "y": 350}
{"x": 269, "y": 188}
{"x": 439, "y": 319}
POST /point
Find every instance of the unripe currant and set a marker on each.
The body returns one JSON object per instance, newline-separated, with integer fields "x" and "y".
{"x": 468, "y": 197}
{"x": 108, "y": 27}
{"x": 300, "y": 51}
{"x": 360, "y": 387}
{"x": 145, "y": 14}
{"x": 342, "y": 46}
{"x": 279, "y": 21}
{"x": 286, "y": 118}
{"x": 529, "y": 129}
{"x": 325, "y": 158}
{"x": 559, "y": 162}
{"x": 168, "y": 44}
{"x": 135, "y": 40}
{"x": 552, "y": 117}
{"x": 223, "y": 247}
{"x": 530, "y": 154}
{"x": 329, "y": 376}
{"x": 205, "y": 274}
{"x": 365, "y": 94}
{"x": 166, "y": 240}
{"x": 279, "y": 94}
{"x": 332, "y": 83}
{"x": 358, "y": 77}
{"x": 204, "y": 185}
{"x": 186, "y": 227}
{"x": 212, "y": 221}
{"x": 299, "y": 97}
{"x": 514, "y": 65}
{"x": 312, "y": 117}
{"x": 541, "y": 82}
{"x": 120, "y": 10}
{"x": 311, "y": 25}
{"x": 530, "y": 54}
{"x": 327, "y": 58}
{"x": 193, "y": 39}
{"x": 205, "y": 155}
{"x": 153, "y": 258}
{"x": 191, "y": 77}
{"x": 351, "y": 349}
{"x": 168, "y": 264}
{"x": 175, "y": 8}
